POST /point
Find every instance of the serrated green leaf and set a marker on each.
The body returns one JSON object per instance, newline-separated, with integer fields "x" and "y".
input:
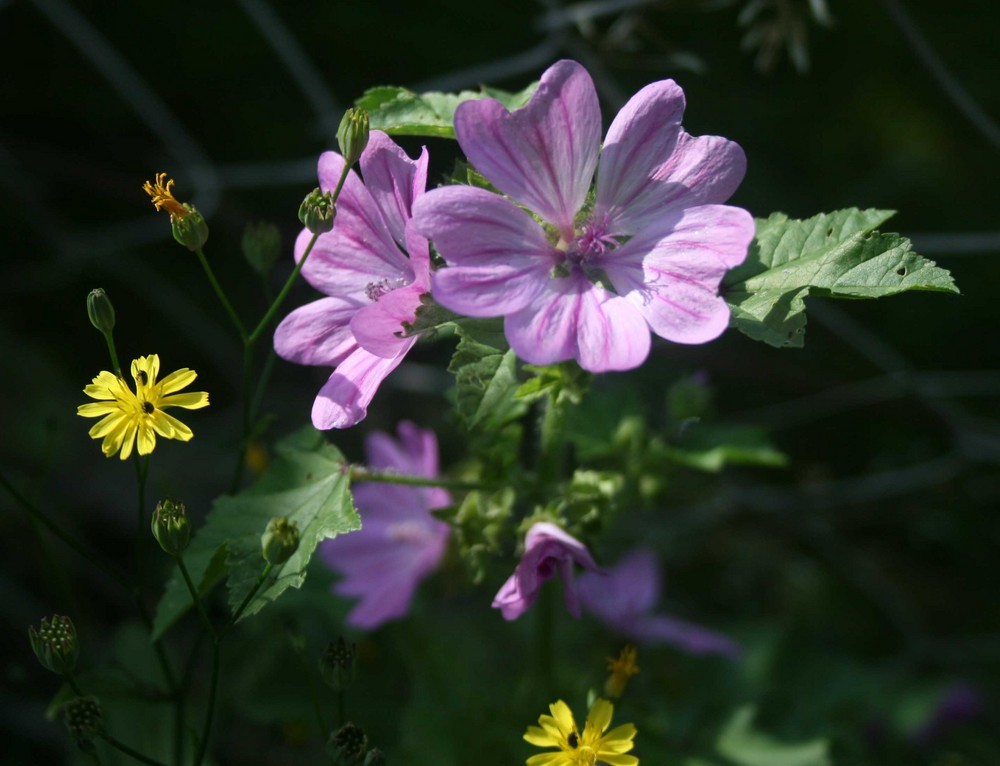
{"x": 485, "y": 377}
{"x": 836, "y": 255}
{"x": 402, "y": 112}
{"x": 429, "y": 315}
{"x": 307, "y": 484}
{"x": 742, "y": 744}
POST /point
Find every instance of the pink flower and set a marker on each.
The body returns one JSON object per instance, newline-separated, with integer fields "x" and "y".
{"x": 373, "y": 287}
{"x": 625, "y": 597}
{"x": 547, "y": 549}
{"x": 400, "y": 542}
{"x": 591, "y": 281}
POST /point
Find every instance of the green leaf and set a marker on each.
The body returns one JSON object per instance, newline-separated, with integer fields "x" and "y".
{"x": 835, "y": 255}
{"x": 430, "y": 315}
{"x": 307, "y": 484}
{"x": 485, "y": 373}
{"x": 745, "y": 746}
{"x": 401, "y": 112}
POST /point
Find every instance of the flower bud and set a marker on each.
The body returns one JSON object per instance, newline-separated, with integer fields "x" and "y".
{"x": 352, "y": 135}
{"x": 348, "y": 744}
{"x": 190, "y": 230}
{"x": 279, "y": 541}
{"x": 261, "y": 246}
{"x": 54, "y": 644}
{"x": 170, "y": 526}
{"x": 374, "y": 758}
{"x": 338, "y": 664}
{"x": 84, "y": 719}
{"x": 317, "y": 211}
{"x": 100, "y": 311}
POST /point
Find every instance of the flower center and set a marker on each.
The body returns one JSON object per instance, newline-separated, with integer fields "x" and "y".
{"x": 583, "y": 254}
{"x": 379, "y": 287}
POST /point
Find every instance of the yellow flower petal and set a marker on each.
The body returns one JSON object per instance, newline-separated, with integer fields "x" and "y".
{"x": 563, "y": 716}
{"x": 175, "y": 381}
{"x": 194, "y": 400}
{"x": 617, "y": 760}
{"x": 599, "y": 716}
{"x": 133, "y": 420}
{"x": 550, "y": 759}
{"x": 540, "y": 737}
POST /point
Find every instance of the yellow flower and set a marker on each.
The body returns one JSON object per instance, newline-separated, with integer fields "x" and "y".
{"x": 622, "y": 668}
{"x": 163, "y": 197}
{"x": 592, "y": 747}
{"x": 129, "y": 417}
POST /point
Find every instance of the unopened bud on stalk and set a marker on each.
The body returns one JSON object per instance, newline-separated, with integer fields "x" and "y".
{"x": 261, "y": 246}
{"x": 352, "y": 135}
{"x": 84, "y": 719}
{"x": 317, "y": 211}
{"x": 54, "y": 644}
{"x": 171, "y": 527}
{"x": 186, "y": 223}
{"x": 338, "y": 664}
{"x": 279, "y": 541}
{"x": 100, "y": 310}
{"x": 348, "y": 744}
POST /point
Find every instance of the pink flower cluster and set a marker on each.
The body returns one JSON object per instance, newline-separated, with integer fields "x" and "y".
{"x": 575, "y": 275}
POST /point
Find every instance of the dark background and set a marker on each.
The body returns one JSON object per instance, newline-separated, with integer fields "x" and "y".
{"x": 859, "y": 576}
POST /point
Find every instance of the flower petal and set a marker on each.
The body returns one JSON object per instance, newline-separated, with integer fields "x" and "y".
{"x": 344, "y": 398}
{"x": 318, "y": 333}
{"x": 194, "y": 400}
{"x": 177, "y": 380}
{"x": 673, "y": 278}
{"x": 641, "y": 139}
{"x": 574, "y": 319}
{"x": 394, "y": 181}
{"x": 375, "y": 327}
{"x": 359, "y": 249}
{"x": 498, "y": 256}
{"x": 543, "y": 155}
{"x": 630, "y": 589}
{"x": 171, "y": 427}
{"x": 599, "y": 717}
{"x": 691, "y": 638}
{"x": 145, "y": 439}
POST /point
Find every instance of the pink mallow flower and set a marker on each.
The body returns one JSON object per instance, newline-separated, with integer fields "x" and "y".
{"x": 588, "y": 283}
{"x": 547, "y": 549}
{"x": 400, "y": 542}
{"x": 625, "y": 598}
{"x": 373, "y": 286}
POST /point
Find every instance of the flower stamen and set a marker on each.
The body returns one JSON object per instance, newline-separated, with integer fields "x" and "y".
{"x": 163, "y": 198}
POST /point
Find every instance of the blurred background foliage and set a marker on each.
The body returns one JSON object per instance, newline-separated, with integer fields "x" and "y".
{"x": 856, "y": 577}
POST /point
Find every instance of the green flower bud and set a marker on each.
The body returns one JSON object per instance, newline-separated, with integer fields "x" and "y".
{"x": 190, "y": 230}
{"x": 170, "y": 526}
{"x": 84, "y": 719}
{"x": 348, "y": 744}
{"x": 317, "y": 211}
{"x": 338, "y": 664}
{"x": 374, "y": 758}
{"x": 100, "y": 311}
{"x": 261, "y": 246}
{"x": 54, "y": 644}
{"x": 352, "y": 135}
{"x": 279, "y": 541}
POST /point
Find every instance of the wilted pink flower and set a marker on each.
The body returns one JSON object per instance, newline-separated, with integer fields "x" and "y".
{"x": 648, "y": 252}
{"x": 373, "y": 287}
{"x": 400, "y": 542}
{"x": 625, "y": 598}
{"x": 547, "y": 549}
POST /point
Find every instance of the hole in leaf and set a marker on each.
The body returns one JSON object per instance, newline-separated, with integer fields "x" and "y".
{"x": 901, "y": 271}
{"x": 829, "y": 232}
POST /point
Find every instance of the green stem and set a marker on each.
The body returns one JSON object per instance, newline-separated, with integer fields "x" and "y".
{"x": 284, "y": 292}
{"x": 361, "y": 473}
{"x": 221, "y": 295}
{"x": 122, "y": 747}
{"x": 109, "y": 569}
{"x": 206, "y": 728}
{"x": 552, "y": 441}
{"x": 141, "y": 471}
{"x": 110, "y": 338}
{"x": 545, "y": 612}
{"x": 207, "y": 623}
{"x": 253, "y": 592}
